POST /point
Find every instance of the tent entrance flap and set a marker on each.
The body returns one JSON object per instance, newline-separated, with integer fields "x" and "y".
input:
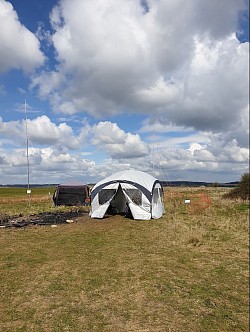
{"x": 101, "y": 202}
{"x": 118, "y": 202}
{"x": 137, "y": 202}
{"x": 110, "y": 200}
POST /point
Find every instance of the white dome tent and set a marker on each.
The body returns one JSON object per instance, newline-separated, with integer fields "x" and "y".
{"x": 137, "y": 191}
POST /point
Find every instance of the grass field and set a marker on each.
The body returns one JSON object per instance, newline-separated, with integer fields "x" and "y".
{"x": 188, "y": 271}
{"x": 15, "y": 201}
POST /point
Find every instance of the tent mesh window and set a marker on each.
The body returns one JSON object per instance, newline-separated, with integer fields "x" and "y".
{"x": 71, "y": 196}
{"x": 135, "y": 195}
{"x": 105, "y": 195}
{"x": 157, "y": 194}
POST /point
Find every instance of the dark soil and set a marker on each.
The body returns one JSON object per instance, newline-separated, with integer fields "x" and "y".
{"x": 46, "y": 218}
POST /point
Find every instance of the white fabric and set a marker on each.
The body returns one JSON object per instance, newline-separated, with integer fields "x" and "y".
{"x": 157, "y": 203}
{"x": 144, "y": 179}
{"x": 138, "y": 212}
{"x": 100, "y": 211}
{"x": 97, "y": 210}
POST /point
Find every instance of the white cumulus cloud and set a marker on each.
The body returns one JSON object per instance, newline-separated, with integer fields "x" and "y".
{"x": 20, "y": 48}
{"x": 178, "y": 59}
{"x": 117, "y": 143}
{"x": 40, "y": 131}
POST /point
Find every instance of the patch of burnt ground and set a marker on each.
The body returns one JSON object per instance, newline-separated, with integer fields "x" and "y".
{"x": 44, "y": 218}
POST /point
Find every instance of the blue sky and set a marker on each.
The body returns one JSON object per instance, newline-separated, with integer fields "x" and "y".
{"x": 160, "y": 86}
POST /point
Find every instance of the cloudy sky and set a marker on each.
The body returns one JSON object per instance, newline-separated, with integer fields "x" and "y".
{"x": 159, "y": 86}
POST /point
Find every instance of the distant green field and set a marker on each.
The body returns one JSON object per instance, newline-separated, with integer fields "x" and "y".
{"x": 188, "y": 271}
{"x": 15, "y": 201}
{"x": 22, "y": 192}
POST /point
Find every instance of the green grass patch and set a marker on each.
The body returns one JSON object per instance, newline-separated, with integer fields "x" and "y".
{"x": 243, "y": 207}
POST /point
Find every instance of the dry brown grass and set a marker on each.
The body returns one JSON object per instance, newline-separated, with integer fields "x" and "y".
{"x": 186, "y": 271}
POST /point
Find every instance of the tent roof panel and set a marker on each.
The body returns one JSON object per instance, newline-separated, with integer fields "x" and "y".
{"x": 141, "y": 178}
{"x": 73, "y": 184}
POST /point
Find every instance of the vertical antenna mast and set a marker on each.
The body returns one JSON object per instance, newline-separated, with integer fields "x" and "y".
{"x": 154, "y": 142}
{"x": 27, "y": 152}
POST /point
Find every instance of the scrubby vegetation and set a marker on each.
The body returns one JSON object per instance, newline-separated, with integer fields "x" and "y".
{"x": 242, "y": 191}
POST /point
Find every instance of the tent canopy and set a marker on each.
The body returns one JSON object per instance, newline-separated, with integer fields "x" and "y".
{"x": 71, "y": 193}
{"x": 130, "y": 191}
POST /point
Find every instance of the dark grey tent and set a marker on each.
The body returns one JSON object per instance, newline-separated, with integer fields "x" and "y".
{"x": 72, "y": 193}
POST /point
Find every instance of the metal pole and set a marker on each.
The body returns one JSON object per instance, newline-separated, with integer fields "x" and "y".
{"x": 154, "y": 143}
{"x": 27, "y": 152}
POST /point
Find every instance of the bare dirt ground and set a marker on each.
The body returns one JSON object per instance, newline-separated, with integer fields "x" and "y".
{"x": 45, "y": 218}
